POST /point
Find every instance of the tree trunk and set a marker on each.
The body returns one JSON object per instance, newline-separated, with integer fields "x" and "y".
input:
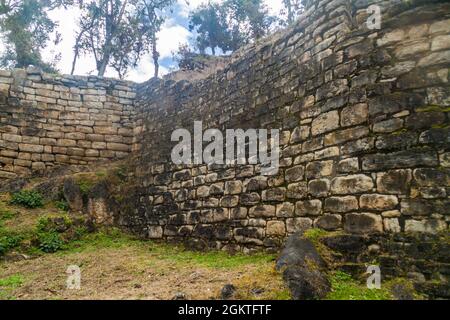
{"x": 102, "y": 67}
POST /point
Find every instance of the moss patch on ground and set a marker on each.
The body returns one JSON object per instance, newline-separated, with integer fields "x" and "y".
{"x": 344, "y": 287}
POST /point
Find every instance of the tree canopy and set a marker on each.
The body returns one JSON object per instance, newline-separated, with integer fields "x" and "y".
{"x": 26, "y": 28}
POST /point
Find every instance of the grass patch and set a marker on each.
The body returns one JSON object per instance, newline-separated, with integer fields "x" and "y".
{"x": 344, "y": 287}
{"x": 433, "y": 108}
{"x": 27, "y": 198}
{"x": 210, "y": 259}
{"x": 7, "y": 285}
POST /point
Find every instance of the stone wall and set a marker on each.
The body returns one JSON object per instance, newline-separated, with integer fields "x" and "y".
{"x": 364, "y": 121}
{"x": 47, "y": 120}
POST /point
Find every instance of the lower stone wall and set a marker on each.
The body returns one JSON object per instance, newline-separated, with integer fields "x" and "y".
{"x": 423, "y": 259}
{"x": 364, "y": 122}
{"x": 47, "y": 120}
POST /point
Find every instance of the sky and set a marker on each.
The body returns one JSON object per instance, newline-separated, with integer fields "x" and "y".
{"x": 173, "y": 33}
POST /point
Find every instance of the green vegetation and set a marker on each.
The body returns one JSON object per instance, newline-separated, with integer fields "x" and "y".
{"x": 50, "y": 242}
{"x": 344, "y": 287}
{"x": 8, "y": 242}
{"x": 315, "y": 234}
{"x": 28, "y": 199}
{"x": 62, "y": 205}
{"x": 433, "y": 108}
{"x": 9, "y": 284}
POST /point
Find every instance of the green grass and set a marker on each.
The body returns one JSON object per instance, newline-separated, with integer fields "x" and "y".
{"x": 209, "y": 259}
{"x": 7, "y": 285}
{"x": 113, "y": 238}
{"x": 315, "y": 234}
{"x": 28, "y": 199}
{"x": 344, "y": 287}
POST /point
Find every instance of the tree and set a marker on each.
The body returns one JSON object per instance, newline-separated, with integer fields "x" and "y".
{"x": 26, "y": 28}
{"x": 111, "y": 31}
{"x": 152, "y": 20}
{"x": 118, "y": 32}
{"x": 292, "y": 9}
{"x": 231, "y": 24}
{"x": 209, "y": 22}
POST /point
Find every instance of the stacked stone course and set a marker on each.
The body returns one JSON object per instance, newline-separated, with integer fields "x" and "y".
{"x": 364, "y": 124}
{"x": 47, "y": 120}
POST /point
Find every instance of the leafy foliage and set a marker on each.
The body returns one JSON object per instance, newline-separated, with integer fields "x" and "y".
{"x": 8, "y": 242}
{"x": 26, "y": 27}
{"x": 118, "y": 32}
{"x": 27, "y": 198}
{"x": 50, "y": 242}
{"x": 62, "y": 205}
{"x": 230, "y": 25}
{"x": 291, "y": 10}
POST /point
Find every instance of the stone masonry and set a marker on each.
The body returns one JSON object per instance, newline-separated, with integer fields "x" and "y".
{"x": 47, "y": 120}
{"x": 364, "y": 117}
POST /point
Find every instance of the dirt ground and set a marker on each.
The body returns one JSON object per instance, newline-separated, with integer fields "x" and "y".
{"x": 115, "y": 265}
{"x": 127, "y": 273}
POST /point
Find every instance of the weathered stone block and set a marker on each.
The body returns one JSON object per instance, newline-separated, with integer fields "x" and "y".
{"x": 363, "y": 223}
{"x": 319, "y": 169}
{"x": 298, "y": 225}
{"x": 296, "y": 173}
{"x": 341, "y": 204}
{"x": 275, "y": 228}
{"x": 325, "y": 122}
{"x": 351, "y": 184}
{"x": 285, "y": 210}
{"x": 353, "y": 115}
{"x": 329, "y": 222}
{"x": 274, "y": 194}
{"x": 308, "y": 208}
{"x": 394, "y": 181}
{"x": 378, "y": 202}
{"x": 298, "y": 190}
{"x": 262, "y": 211}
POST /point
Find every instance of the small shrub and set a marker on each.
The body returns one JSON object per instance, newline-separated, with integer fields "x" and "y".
{"x": 62, "y": 205}
{"x": 85, "y": 187}
{"x": 50, "y": 242}
{"x": 27, "y": 198}
{"x": 9, "y": 242}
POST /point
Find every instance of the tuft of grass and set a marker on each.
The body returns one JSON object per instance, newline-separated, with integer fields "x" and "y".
{"x": 344, "y": 287}
{"x": 7, "y": 285}
{"x": 62, "y": 205}
{"x": 315, "y": 234}
{"x": 433, "y": 108}
{"x": 210, "y": 259}
{"x": 28, "y": 199}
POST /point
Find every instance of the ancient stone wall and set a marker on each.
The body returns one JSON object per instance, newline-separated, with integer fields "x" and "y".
{"x": 365, "y": 132}
{"x": 47, "y": 120}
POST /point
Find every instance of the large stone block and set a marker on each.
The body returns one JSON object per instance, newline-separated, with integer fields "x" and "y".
{"x": 341, "y": 204}
{"x": 308, "y": 208}
{"x": 394, "y": 181}
{"x": 363, "y": 223}
{"x": 326, "y": 122}
{"x": 351, "y": 184}
{"x": 266, "y": 211}
{"x": 378, "y": 202}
